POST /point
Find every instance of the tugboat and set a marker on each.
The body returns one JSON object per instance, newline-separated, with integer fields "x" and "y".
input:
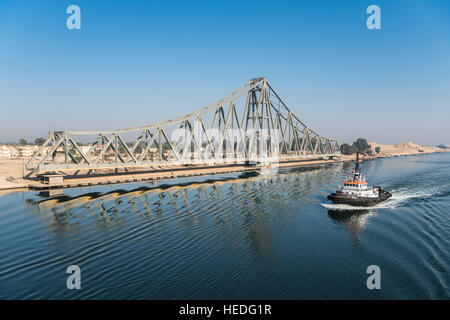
{"x": 355, "y": 191}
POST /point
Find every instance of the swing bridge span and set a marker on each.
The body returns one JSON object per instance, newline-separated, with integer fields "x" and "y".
{"x": 252, "y": 126}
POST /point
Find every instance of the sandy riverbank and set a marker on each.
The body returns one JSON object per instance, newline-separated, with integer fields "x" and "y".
{"x": 397, "y": 150}
{"x": 12, "y": 171}
{"x": 11, "y": 168}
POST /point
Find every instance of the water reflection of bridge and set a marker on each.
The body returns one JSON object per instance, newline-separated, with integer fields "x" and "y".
{"x": 253, "y": 197}
{"x": 250, "y": 188}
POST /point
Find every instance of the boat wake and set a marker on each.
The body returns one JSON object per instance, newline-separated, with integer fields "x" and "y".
{"x": 398, "y": 199}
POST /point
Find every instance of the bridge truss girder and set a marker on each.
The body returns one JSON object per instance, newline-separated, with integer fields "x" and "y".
{"x": 266, "y": 131}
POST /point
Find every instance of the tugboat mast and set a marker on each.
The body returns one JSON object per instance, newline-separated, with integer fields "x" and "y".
{"x": 357, "y": 162}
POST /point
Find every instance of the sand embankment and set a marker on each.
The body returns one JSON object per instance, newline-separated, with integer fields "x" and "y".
{"x": 397, "y": 150}
{"x": 11, "y": 173}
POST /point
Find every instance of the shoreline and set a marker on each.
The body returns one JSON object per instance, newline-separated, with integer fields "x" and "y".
{"x": 9, "y": 184}
{"x": 365, "y": 157}
{"x": 11, "y": 167}
{"x": 396, "y": 150}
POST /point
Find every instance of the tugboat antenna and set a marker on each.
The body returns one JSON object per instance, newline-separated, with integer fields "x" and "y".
{"x": 357, "y": 160}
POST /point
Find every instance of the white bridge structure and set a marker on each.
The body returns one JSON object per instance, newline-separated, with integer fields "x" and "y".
{"x": 252, "y": 125}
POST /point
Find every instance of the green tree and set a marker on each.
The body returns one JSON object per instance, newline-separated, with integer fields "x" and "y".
{"x": 166, "y": 146}
{"x": 122, "y": 150}
{"x": 22, "y": 142}
{"x": 348, "y": 149}
{"x": 378, "y": 150}
{"x": 39, "y": 141}
{"x": 138, "y": 149}
{"x": 361, "y": 145}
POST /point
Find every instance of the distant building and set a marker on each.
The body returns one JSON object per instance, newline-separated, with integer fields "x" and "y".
{"x": 5, "y": 152}
{"x": 85, "y": 149}
{"x": 11, "y": 151}
{"x": 27, "y": 151}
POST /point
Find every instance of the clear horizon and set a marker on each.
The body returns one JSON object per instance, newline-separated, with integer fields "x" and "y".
{"x": 134, "y": 64}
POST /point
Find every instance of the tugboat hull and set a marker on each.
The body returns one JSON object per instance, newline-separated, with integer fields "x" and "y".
{"x": 352, "y": 200}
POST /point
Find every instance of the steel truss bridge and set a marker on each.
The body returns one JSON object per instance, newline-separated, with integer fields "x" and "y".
{"x": 266, "y": 130}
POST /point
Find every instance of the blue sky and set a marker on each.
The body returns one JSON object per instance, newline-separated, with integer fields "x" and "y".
{"x": 138, "y": 62}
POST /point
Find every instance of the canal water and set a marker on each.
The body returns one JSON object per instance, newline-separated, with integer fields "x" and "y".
{"x": 237, "y": 236}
